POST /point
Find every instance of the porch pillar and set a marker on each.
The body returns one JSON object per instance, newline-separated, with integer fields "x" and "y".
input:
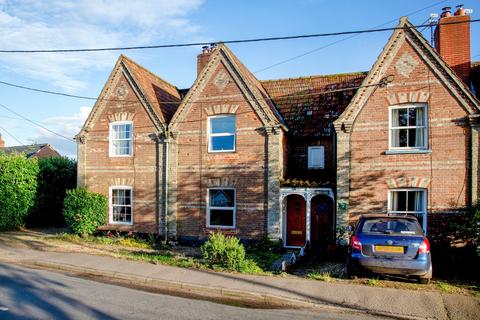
{"x": 308, "y": 199}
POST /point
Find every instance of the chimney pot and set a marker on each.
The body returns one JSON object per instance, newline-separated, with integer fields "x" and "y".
{"x": 460, "y": 11}
{"x": 446, "y": 12}
{"x": 452, "y": 41}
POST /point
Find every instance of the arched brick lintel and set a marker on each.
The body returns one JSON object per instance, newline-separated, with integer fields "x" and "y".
{"x": 408, "y": 97}
{"x": 408, "y": 182}
{"x": 221, "y": 109}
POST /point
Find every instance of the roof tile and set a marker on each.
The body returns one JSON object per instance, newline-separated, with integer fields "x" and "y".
{"x": 163, "y": 96}
{"x": 306, "y": 104}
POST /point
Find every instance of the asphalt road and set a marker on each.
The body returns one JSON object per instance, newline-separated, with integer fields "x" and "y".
{"x": 36, "y": 294}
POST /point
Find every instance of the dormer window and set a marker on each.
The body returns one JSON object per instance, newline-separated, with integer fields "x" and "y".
{"x": 121, "y": 142}
{"x": 221, "y": 133}
{"x": 408, "y": 127}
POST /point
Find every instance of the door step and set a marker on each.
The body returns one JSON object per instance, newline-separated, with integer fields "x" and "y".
{"x": 288, "y": 259}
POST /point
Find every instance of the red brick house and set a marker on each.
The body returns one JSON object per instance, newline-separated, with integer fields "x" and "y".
{"x": 294, "y": 159}
{"x": 412, "y": 146}
{"x": 36, "y": 150}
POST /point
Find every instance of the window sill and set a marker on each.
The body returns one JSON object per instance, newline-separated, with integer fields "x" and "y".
{"x": 221, "y": 151}
{"x": 408, "y": 151}
{"x": 121, "y": 223}
{"x": 224, "y": 230}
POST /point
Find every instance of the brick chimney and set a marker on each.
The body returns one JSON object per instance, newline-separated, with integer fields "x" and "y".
{"x": 452, "y": 41}
{"x": 202, "y": 59}
{"x": 2, "y": 142}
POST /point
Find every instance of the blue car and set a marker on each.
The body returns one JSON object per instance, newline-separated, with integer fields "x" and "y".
{"x": 390, "y": 244}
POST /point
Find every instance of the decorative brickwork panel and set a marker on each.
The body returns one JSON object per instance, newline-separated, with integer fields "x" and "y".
{"x": 406, "y": 64}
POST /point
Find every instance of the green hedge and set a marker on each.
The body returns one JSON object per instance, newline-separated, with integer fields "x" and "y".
{"x": 18, "y": 185}
{"x": 84, "y": 211}
{"x": 56, "y": 176}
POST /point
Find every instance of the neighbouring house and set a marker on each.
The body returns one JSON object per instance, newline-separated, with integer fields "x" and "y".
{"x": 42, "y": 150}
{"x": 295, "y": 159}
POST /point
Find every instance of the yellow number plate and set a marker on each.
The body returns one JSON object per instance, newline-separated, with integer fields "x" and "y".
{"x": 296, "y": 232}
{"x": 390, "y": 249}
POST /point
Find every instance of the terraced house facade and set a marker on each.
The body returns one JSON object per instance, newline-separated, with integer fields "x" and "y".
{"x": 295, "y": 159}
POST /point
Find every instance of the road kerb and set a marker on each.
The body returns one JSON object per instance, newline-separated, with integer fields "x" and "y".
{"x": 188, "y": 290}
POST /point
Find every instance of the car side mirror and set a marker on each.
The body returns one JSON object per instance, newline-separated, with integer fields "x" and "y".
{"x": 349, "y": 229}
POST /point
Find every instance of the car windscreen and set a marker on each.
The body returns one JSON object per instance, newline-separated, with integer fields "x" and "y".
{"x": 392, "y": 226}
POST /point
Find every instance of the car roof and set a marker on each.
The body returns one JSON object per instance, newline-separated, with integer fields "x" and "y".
{"x": 384, "y": 215}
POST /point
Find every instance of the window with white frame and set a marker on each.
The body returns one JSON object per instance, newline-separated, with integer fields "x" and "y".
{"x": 121, "y": 205}
{"x": 411, "y": 202}
{"x": 221, "y": 208}
{"x": 221, "y": 133}
{"x": 121, "y": 142}
{"x": 408, "y": 127}
{"x": 316, "y": 157}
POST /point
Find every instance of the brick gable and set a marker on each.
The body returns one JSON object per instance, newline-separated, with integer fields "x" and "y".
{"x": 366, "y": 169}
{"x": 197, "y": 169}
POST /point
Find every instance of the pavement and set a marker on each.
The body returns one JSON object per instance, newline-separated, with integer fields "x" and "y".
{"x": 23, "y": 296}
{"x": 249, "y": 290}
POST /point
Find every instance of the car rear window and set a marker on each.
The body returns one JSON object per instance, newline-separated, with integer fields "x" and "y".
{"x": 391, "y": 226}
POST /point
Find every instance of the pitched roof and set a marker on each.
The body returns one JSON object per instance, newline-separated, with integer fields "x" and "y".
{"x": 309, "y": 105}
{"x": 254, "y": 82}
{"x": 29, "y": 150}
{"x": 163, "y": 96}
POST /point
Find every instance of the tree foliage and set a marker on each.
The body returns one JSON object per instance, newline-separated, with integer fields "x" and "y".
{"x": 56, "y": 176}
{"x": 18, "y": 185}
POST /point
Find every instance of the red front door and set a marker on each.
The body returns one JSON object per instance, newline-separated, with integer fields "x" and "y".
{"x": 296, "y": 228}
{"x": 322, "y": 221}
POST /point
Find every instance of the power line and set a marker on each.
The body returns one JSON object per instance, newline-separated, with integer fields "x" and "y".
{"x": 341, "y": 40}
{"x": 176, "y": 45}
{"x": 11, "y": 135}
{"x": 35, "y": 123}
{"x": 382, "y": 82}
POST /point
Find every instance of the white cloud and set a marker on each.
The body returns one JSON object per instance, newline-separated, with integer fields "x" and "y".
{"x": 85, "y": 24}
{"x": 67, "y": 126}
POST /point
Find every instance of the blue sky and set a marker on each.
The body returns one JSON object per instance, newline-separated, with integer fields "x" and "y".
{"x": 33, "y": 24}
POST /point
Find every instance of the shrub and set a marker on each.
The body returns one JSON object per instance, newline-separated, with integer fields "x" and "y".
{"x": 84, "y": 211}
{"x": 18, "y": 184}
{"x": 224, "y": 252}
{"x": 56, "y": 176}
